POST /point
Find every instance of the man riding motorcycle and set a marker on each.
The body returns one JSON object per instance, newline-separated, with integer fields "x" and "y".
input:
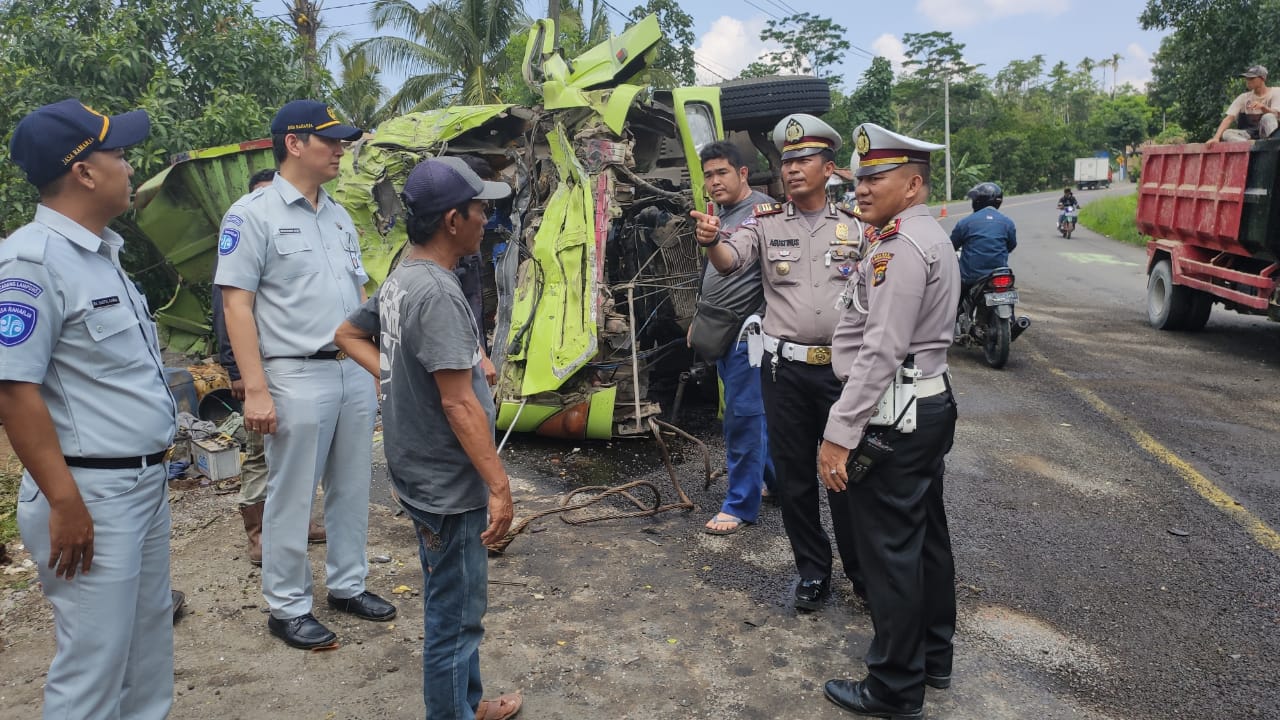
{"x": 984, "y": 238}
{"x": 1066, "y": 203}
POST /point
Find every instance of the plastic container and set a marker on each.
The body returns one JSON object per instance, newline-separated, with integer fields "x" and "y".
{"x": 183, "y": 388}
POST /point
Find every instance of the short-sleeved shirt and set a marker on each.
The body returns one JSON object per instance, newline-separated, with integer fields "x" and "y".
{"x": 425, "y": 325}
{"x": 908, "y": 282}
{"x": 804, "y": 266}
{"x": 73, "y": 323}
{"x": 985, "y": 240}
{"x": 731, "y": 290}
{"x": 303, "y": 264}
{"x": 1269, "y": 99}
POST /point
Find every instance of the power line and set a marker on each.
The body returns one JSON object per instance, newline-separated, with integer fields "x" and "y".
{"x": 766, "y": 12}
{"x": 704, "y": 67}
{"x": 324, "y": 9}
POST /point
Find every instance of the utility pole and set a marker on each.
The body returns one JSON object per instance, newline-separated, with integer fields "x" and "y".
{"x": 946, "y": 132}
{"x": 553, "y": 12}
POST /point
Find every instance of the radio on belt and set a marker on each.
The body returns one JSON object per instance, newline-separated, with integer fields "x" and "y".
{"x": 897, "y": 406}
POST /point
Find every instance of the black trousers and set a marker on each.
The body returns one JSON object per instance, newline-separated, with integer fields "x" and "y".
{"x": 905, "y": 550}
{"x": 796, "y": 406}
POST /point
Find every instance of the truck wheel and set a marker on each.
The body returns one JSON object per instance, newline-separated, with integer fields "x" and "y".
{"x": 1168, "y": 305}
{"x": 759, "y": 103}
{"x": 1198, "y": 315}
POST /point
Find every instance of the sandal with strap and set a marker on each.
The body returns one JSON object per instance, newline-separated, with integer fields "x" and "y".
{"x": 506, "y": 706}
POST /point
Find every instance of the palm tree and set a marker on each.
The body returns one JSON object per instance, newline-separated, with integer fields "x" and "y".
{"x": 451, "y": 50}
{"x": 1086, "y": 66}
{"x": 360, "y": 92}
{"x": 1115, "y": 68}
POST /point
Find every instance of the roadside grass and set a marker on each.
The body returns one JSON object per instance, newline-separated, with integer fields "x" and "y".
{"x": 1114, "y": 217}
{"x": 10, "y": 476}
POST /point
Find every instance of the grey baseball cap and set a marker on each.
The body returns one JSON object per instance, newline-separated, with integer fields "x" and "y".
{"x": 441, "y": 183}
{"x": 1255, "y": 71}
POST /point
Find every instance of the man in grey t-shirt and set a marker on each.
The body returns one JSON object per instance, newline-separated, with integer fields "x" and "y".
{"x": 437, "y": 419}
{"x": 746, "y": 438}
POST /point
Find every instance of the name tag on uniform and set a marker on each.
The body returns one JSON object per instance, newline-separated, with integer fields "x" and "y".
{"x": 106, "y": 301}
{"x": 289, "y": 231}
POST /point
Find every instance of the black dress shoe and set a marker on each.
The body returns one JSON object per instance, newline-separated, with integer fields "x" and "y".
{"x": 365, "y": 605}
{"x": 939, "y": 682}
{"x": 854, "y": 697}
{"x": 179, "y": 599}
{"x": 809, "y": 594}
{"x": 304, "y": 631}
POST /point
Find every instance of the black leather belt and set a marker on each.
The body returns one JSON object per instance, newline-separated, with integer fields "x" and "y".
{"x": 322, "y": 355}
{"x": 122, "y": 463}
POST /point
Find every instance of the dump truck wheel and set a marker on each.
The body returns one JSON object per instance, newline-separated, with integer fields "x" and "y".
{"x": 759, "y": 103}
{"x": 1168, "y": 305}
{"x": 1198, "y": 314}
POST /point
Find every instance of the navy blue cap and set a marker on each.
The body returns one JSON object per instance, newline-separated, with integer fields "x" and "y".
{"x": 311, "y": 116}
{"x": 49, "y": 140}
{"x": 438, "y": 184}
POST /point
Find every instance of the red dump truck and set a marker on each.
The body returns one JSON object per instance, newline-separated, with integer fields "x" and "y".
{"x": 1214, "y": 219}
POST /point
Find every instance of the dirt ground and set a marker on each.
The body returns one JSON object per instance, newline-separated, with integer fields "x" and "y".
{"x": 637, "y": 618}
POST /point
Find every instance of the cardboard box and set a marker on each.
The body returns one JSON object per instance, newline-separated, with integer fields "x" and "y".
{"x": 216, "y": 458}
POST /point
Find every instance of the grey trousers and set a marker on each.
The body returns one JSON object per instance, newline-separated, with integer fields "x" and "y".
{"x": 1267, "y": 124}
{"x": 324, "y": 416}
{"x": 113, "y": 625}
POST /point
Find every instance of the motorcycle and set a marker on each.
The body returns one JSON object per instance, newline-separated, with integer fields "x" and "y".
{"x": 1067, "y": 220}
{"x": 985, "y": 318}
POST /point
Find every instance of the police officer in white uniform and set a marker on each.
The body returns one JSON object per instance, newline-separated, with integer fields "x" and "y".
{"x": 290, "y": 270}
{"x": 897, "y": 323}
{"x": 84, "y": 400}
{"x": 807, "y": 247}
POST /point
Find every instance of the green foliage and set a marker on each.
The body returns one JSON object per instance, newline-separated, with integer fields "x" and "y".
{"x": 869, "y": 102}
{"x": 1195, "y": 74}
{"x": 10, "y": 477}
{"x": 1125, "y": 120}
{"x": 453, "y": 51}
{"x": 810, "y": 44}
{"x": 207, "y": 71}
{"x": 674, "y": 65}
{"x": 1114, "y": 216}
{"x": 360, "y": 93}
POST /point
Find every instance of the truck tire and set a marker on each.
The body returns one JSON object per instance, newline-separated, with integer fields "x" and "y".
{"x": 759, "y": 103}
{"x": 1198, "y": 315}
{"x": 1168, "y": 305}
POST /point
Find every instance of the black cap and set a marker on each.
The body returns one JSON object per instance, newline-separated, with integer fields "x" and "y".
{"x": 311, "y": 116}
{"x": 49, "y": 140}
{"x": 438, "y": 184}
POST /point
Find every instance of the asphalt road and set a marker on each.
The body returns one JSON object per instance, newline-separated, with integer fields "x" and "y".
{"x": 1121, "y": 484}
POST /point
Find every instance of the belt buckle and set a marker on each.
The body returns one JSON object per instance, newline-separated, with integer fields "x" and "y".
{"x": 818, "y": 356}
{"x": 342, "y": 355}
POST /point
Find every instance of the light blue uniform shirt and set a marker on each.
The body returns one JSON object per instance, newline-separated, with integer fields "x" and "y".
{"x": 303, "y": 264}
{"x": 72, "y": 322}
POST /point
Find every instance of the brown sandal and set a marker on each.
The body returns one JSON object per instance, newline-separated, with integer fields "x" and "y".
{"x": 506, "y": 706}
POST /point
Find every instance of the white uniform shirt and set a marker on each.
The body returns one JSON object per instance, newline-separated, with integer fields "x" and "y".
{"x": 72, "y": 322}
{"x": 303, "y": 264}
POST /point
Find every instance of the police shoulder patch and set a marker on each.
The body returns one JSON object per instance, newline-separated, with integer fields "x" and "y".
{"x": 17, "y": 322}
{"x": 767, "y": 209}
{"x": 235, "y": 220}
{"x": 880, "y": 268}
{"x": 228, "y": 241}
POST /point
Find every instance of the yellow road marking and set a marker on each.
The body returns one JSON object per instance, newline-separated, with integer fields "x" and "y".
{"x": 1216, "y": 496}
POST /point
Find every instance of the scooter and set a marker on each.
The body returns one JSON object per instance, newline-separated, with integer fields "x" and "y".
{"x": 986, "y": 318}
{"x": 1067, "y": 220}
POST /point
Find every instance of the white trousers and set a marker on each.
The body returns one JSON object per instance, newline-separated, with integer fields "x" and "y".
{"x": 324, "y": 434}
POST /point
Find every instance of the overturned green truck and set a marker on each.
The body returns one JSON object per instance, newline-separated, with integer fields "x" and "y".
{"x": 592, "y": 271}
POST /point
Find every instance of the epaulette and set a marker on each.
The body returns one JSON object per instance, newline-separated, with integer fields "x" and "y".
{"x": 850, "y": 210}
{"x": 767, "y": 209}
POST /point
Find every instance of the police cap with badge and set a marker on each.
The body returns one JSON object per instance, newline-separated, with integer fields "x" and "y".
{"x": 880, "y": 150}
{"x": 51, "y": 139}
{"x": 801, "y": 135}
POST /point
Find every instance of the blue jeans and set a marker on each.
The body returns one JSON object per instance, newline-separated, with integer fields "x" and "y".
{"x": 746, "y": 435}
{"x": 455, "y": 595}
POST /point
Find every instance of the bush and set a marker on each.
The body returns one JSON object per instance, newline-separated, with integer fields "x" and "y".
{"x": 1114, "y": 217}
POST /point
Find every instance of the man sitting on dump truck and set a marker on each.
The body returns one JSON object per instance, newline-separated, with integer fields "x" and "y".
{"x": 1255, "y": 112}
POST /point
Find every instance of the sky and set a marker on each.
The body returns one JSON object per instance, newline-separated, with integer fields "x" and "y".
{"x": 994, "y": 32}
